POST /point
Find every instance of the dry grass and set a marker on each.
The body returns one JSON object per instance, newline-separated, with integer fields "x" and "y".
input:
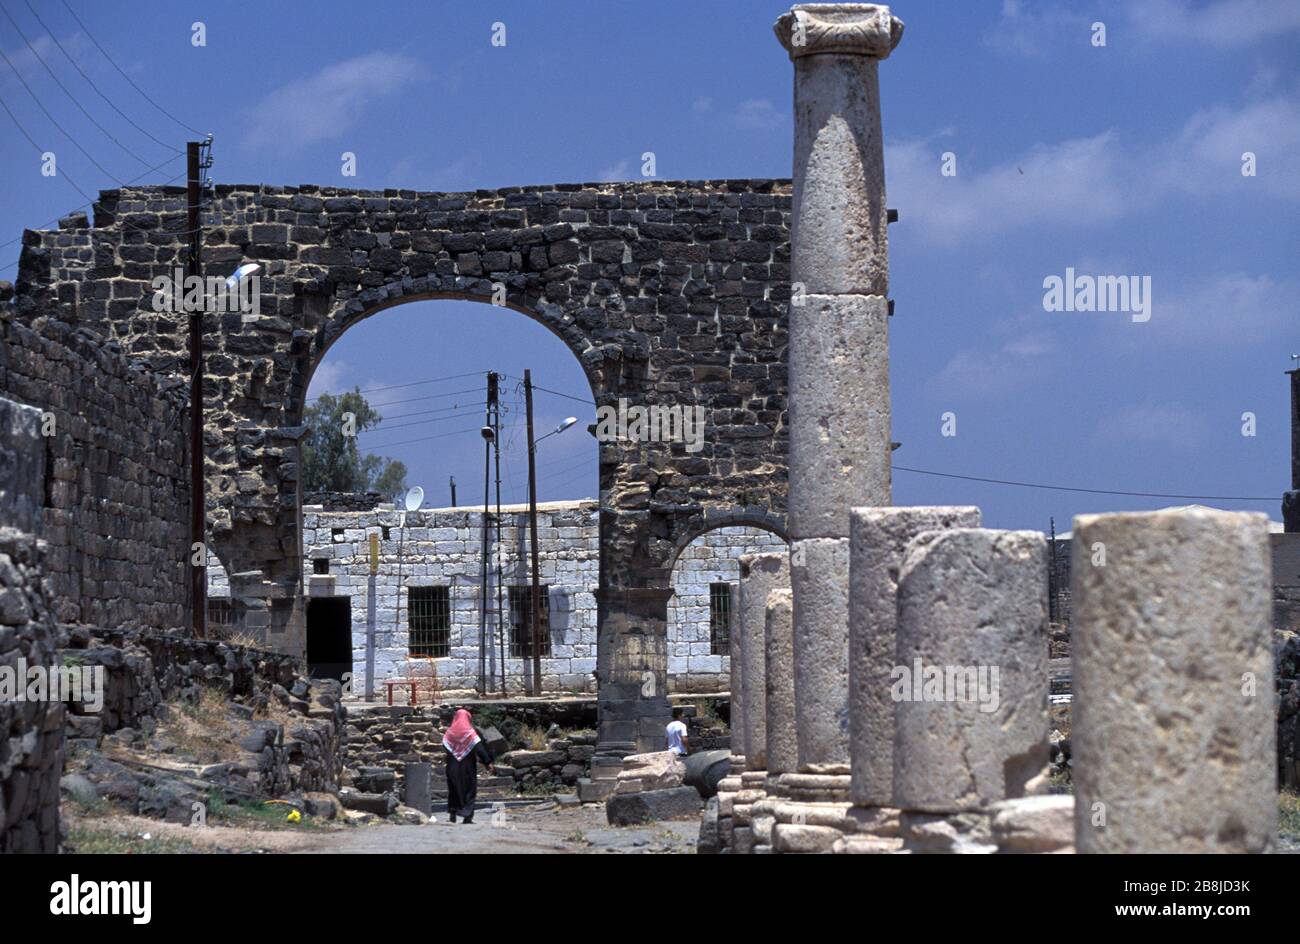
{"x": 204, "y": 729}
{"x": 531, "y": 738}
{"x": 1288, "y": 815}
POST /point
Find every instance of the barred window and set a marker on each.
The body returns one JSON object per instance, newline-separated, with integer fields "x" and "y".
{"x": 521, "y": 621}
{"x": 428, "y": 621}
{"x": 719, "y": 618}
{"x": 221, "y": 614}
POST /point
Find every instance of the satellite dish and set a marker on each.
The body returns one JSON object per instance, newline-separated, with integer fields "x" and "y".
{"x": 414, "y": 498}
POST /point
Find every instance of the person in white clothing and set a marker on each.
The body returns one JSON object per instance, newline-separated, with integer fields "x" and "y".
{"x": 676, "y": 731}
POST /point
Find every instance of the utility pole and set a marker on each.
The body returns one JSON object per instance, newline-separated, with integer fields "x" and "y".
{"x": 485, "y": 543}
{"x": 536, "y": 606}
{"x": 494, "y": 408}
{"x": 453, "y": 491}
{"x": 198, "y": 516}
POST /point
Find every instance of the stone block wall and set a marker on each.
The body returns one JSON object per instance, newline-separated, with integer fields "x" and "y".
{"x": 31, "y": 732}
{"x": 115, "y": 492}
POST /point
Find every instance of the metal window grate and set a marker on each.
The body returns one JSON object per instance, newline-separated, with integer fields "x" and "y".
{"x": 428, "y": 621}
{"x": 221, "y": 615}
{"x": 719, "y": 618}
{"x": 521, "y": 624}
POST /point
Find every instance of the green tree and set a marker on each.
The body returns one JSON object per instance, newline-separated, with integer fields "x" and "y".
{"x": 331, "y": 458}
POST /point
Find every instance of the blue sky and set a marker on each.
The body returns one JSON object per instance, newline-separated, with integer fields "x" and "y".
{"x": 1117, "y": 160}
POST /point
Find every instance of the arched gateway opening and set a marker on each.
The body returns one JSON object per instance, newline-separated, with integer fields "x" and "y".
{"x": 670, "y": 294}
{"x": 445, "y": 603}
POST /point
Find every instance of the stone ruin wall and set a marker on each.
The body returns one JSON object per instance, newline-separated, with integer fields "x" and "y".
{"x": 442, "y": 547}
{"x": 115, "y": 487}
{"x": 93, "y": 525}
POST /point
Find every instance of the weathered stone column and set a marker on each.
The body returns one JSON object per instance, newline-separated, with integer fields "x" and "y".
{"x": 782, "y": 745}
{"x": 782, "y": 734}
{"x": 632, "y": 670}
{"x": 736, "y": 707}
{"x": 838, "y": 354}
{"x": 1174, "y": 734}
{"x": 878, "y": 544}
{"x": 760, "y": 574}
{"x": 970, "y": 687}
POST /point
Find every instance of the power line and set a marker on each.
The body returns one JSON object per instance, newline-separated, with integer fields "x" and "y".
{"x": 429, "y": 422}
{"x": 39, "y": 150}
{"x": 1090, "y": 491}
{"x": 71, "y": 97}
{"x": 142, "y": 92}
{"x": 454, "y": 432}
{"x": 414, "y": 383}
{"x": 92, "y": 84}
{"x": 557, "y": 393}
{"x": 54, "y": 121}
{"x": 92, "y": 204}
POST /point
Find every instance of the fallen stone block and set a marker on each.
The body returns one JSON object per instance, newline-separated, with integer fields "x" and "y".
{"x": 627, "y": 809}
{"x": 1034, "y": 824}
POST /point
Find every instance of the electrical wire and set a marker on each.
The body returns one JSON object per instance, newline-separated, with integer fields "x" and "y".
{"x": 66, "y": 91}
{"x": 142, "y": 92}
{"x": 1090, "y": 491}
{"x": 54, "y": 121}
{"x": 92, "y": 84}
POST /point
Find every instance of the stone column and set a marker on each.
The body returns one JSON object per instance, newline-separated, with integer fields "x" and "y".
{"x": 632, "y": 663}
{"x": 879, "y": 541}
{"x": 782, "y": 745}
{"x": 970, "y": 687}
{"x": 838, "y": 370}
{"x": 782, "y": 733}
{"x": 1174, "y": 735}
{"x": 736, "y": 708}
{"x": 838, "y": 354}
{"x": 760, "y": 574}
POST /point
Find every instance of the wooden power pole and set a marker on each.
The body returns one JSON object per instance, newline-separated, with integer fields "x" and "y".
{"x": 536, "y": 606}
{"x": 198, "y": 516}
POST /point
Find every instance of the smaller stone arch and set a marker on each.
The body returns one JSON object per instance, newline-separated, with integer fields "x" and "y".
{"x": 704, "y": 607}
{"x": 713, "y": 518}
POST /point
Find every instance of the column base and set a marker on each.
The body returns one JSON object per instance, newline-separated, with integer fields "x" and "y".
{"x": 753, "y": 784}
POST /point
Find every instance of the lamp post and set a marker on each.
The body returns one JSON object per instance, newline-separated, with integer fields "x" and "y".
{"x": 536, "y": 606}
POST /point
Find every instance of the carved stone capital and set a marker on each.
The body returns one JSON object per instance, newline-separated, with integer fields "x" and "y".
{"x": 847, "y": 29}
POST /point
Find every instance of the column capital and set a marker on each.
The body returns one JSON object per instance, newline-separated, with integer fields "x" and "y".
{"x": 847, "y": 29}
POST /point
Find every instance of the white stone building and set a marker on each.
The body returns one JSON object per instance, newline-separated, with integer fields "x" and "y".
{"x": 435, "y": 620}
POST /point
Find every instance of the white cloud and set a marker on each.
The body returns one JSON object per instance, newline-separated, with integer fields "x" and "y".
{"x": 1154, "y": 424}
{"x": 1230, "y": 309}
{"x": 1224, "y": 23}
{"x": 702, "y": 105}
{"x": 1022, "y": 361}
{"x": 1069, "y": 183}
{"x": 1099, "y": 179}
{"x": 619, "y": 171}
{"x": 328, "y": 102}
{"x": 759, "y": 114}
{"x": 1040, "y": 30}
{"x": 329, "y": 378}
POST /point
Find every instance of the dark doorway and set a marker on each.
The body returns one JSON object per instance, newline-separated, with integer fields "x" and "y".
{"x": 329, "y": 637}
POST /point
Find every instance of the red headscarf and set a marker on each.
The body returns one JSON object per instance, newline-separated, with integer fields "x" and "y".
{"x": 461, "y": 736}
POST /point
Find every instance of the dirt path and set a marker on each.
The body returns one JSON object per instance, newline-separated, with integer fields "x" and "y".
{"x": 581, "y": 830}
{"x": 575, "y": 830}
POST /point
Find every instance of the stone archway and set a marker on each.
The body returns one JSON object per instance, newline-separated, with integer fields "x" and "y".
{"x": 669, "y": 293}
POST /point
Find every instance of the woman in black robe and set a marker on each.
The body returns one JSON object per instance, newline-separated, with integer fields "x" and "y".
{"x": 464, "y": 751}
